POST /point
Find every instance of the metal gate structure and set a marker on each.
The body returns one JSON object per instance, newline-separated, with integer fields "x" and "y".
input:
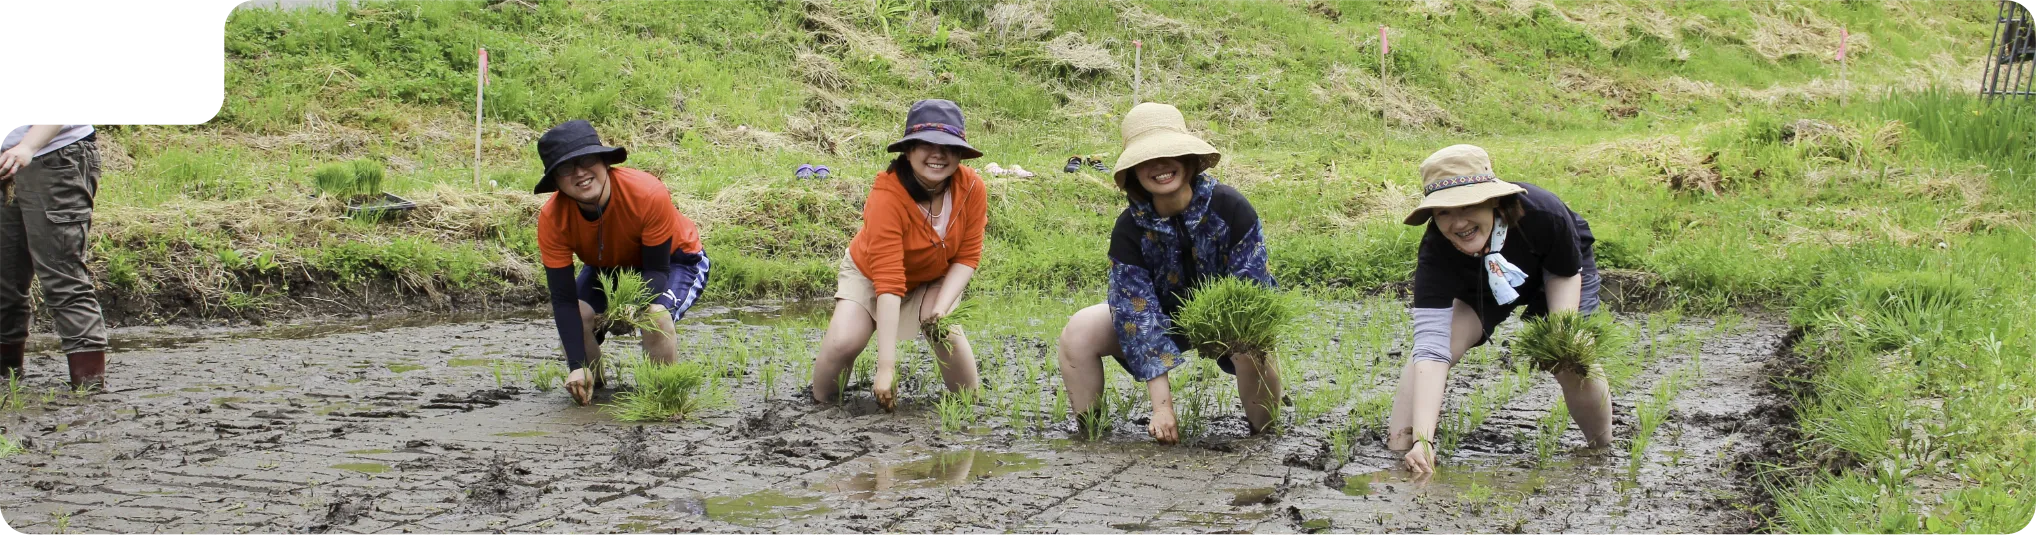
{"x": 2011, "y": 56}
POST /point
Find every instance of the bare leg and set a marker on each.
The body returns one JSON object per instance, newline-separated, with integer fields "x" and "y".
{"x": 1258, "y": 385}
{"x": 847, "y": 334}
{"x": 1590, "y": 404}
{"x": 1084, "y": 343}
{"x": 957, "y": 361}
{"x": 661, "y": 344}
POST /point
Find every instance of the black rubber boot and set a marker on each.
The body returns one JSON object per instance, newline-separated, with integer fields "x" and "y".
{"x": 11, "y": 357}
{"x": 88, "y": 370}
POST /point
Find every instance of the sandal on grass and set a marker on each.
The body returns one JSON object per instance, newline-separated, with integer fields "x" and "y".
{"x": 822, "y": 172}
{"x": 805, "y": 171}
{"x": 1074, "y": 163}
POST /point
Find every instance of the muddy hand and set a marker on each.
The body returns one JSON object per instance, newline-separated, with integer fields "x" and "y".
{"x": 581, "y": 385}
{"x": 882, "y": 385}
{"x": 1420, "y": 459}
{"x": 1163, "y": 428}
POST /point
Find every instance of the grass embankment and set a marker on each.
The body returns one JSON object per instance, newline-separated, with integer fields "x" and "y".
{"x": 1705, "y": 141}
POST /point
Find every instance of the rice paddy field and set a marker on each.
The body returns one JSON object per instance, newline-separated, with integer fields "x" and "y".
{"x": 1818, "y": 285}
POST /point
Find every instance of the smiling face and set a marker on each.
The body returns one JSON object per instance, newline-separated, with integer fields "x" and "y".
{"x": 932, "y": 164}
{"x": 1467, "y": 227}
{"x": 1161, "y": 177}
{"x": 584, "y": 179}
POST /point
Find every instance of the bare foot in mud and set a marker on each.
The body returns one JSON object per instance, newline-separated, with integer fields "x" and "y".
{"x": 581, "y": 386}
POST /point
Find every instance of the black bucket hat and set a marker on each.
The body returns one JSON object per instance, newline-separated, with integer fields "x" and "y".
{"x": 569, "y": 140}
{"x": 939, "y": 122}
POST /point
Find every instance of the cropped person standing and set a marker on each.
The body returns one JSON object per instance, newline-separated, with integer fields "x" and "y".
{"x": 921, "y": 240}
{"x": 49, "y": 176}
{"x": 616, "y": 220}
{"x": 1491, "y": 247}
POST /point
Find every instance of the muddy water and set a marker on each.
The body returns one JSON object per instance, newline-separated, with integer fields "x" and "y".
{"x": 403, "y": 427}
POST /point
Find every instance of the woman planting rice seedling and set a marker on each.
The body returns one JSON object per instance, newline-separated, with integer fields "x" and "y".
{"x": 616, "y": 220}
{"x": 1181, "y": 230}
{"x": 921, "y": 239}
{"x": 1485, "y": 237}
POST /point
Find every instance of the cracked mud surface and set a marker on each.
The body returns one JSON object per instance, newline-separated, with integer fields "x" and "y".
{"x": 395, "y": 429}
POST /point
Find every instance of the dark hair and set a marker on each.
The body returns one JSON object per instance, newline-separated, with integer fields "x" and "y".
{"x": 903, "y": 168}
{"x": 1510, "y": 208}
{"x": 1128, "y": 181}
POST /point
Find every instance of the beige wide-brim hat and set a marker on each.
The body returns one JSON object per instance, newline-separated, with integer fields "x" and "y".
{"x": 1153, "y": 131}
{"x": 1458, "y": 175}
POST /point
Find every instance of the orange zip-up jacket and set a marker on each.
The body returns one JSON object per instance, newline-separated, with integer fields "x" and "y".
{"x": 639, "y": 214}
{"x": 897, "y": 248}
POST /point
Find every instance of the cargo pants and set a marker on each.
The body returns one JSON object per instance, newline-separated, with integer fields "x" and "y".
{"x": 45, "y": 214}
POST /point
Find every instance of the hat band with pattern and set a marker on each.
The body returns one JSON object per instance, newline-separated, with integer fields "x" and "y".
{"x": 950, "y": 129}
{"x": 1460, "y": 180}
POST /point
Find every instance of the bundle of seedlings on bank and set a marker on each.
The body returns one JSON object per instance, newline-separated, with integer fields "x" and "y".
{"x": 1233, "y": 316}
{"x": 1568, "y": 341}
{"x": 349, "y": 180}
{"x": 665, "y": 392}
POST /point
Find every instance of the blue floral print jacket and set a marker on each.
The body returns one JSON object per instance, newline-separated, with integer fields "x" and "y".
{"x": 1156, "y": 261}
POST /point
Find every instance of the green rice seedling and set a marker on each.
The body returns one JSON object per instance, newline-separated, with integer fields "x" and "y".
{"x": 62, "y": 519}
{"x": 495, "y": 369}
{"x": 1568, "y": 341}
{"x": 15, "y": 398}
{"x": 665, "y": 392}
{"x": 1549, "y": 429}
{"x": 629, "y": 301}
{"x": 952, "y": 323}
{"x": 768, "y": 373}
{"x": 49, "y": 396}
{"x": 548, "y": 375}
{"x": 1232, "y": 316}
{"x": 1095, "y": 423}
{"x": 8, "y": 447}
{"x": 957, "y": 410}
{"x": 367, "y": 177}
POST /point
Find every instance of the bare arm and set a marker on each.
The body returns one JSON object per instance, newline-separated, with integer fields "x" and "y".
{"x": 1565, "y": 294}
{"x": 17, "y": 157}
{"x": 1162, "y": 427}
{"x": 951, "y": 286}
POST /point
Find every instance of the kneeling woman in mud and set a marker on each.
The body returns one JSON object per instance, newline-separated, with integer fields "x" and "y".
{"x": 1490, "y": 247}
{"x": 619, "y": 222}
{"x": 920, "y": 242}
{"x": 1182, "y": 228}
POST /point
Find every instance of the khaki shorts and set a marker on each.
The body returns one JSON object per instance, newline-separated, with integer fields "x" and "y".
{"x": 852, "y": 286}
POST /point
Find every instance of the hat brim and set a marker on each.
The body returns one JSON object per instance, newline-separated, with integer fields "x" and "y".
{"x": 1164, "y": 144}
{"x": 545, "y": 184}
{"x": 1462, "y": 196}
{"x": 936, "y": 137}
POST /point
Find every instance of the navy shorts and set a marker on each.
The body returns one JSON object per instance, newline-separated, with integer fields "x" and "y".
{"x": 688, "y": 279}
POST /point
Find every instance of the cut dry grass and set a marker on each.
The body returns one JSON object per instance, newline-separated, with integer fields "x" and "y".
{"x": 1397, "y": 103}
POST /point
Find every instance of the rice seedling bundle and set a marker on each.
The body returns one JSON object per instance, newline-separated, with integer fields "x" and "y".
{"x": 1232, "y": 316}
{"x": 1568, "y": 341}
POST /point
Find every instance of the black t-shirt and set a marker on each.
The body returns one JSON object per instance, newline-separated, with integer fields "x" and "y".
{"x": 1549, "y": 238}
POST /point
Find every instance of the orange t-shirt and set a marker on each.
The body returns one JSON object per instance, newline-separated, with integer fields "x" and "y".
{"x": 639, "y": 214}
{"x": 898, "y": 249}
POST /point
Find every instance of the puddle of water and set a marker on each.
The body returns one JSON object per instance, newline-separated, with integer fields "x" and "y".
{"x": 523, "y": 434}
{"x": 1243, "y": 497}
{"x": 369, "y": 452}
{"x": 468, "y": 363}
{"x": 365, "y": 468}
{"x": 944, "y": 468}
{"x": 404, "y": 368}
{"x": 754, "y": 508}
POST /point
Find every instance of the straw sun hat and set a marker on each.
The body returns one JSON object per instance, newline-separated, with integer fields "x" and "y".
{"x": 1153, "y": 131}
{"x": 1458, "y": 175}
